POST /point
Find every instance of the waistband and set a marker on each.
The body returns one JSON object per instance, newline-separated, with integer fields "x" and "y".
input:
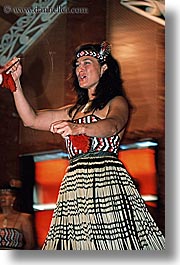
{"x": 93, "y": 154}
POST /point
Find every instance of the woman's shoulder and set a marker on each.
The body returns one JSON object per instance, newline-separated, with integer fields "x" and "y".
{"x": 118, "y": 102}
{"x": 25, "y": 216}
{"x": 118, "y": 99}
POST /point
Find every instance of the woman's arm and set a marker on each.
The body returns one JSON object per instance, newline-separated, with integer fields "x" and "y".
{"x": 28, "y": 231}
{"x": 40, "y": 120}
{"x": 114, "y": 123}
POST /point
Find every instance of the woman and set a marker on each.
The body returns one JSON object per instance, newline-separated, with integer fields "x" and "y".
{"x": 16, "y": 230}
{"x": 98, "y": 207}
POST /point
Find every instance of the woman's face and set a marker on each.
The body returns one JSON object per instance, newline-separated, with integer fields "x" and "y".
{"x": 6, "y": 198}
{"x": 88, "y": 71}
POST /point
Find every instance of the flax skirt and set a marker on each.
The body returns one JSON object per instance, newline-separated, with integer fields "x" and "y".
{"x": 99, "y": 208}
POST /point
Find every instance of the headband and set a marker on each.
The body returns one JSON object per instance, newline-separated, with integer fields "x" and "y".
{"x": 101, "y": 55}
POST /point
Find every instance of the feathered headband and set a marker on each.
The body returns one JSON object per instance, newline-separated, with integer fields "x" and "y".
{"x": 101, "y": 55}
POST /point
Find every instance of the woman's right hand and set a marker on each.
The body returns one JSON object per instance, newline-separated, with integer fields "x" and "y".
{"x": 8, "y": 66}
{"x": 10, "y": 74}
{"x": 16, "y": 71}
{"x": 13, "y": 67}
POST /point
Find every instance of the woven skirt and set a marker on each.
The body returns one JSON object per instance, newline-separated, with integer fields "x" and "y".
{"x": 99, "y": 208}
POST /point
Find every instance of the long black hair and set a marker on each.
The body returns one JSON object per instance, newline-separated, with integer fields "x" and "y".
{"x": 110, "y": 83}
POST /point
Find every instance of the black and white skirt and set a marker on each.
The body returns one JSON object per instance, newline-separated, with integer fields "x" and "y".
{"x": 99, "y": 208}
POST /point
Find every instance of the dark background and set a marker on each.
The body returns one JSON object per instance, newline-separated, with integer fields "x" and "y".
{"x": 137, "y": 44}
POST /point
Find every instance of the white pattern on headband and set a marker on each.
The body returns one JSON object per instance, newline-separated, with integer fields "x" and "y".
{"x": 101, "y": 56}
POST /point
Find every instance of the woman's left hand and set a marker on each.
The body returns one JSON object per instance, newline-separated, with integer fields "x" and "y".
{"x": 65, "y": 128}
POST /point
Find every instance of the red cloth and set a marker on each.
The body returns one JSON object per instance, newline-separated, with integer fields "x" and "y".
{"x": 81, "y": 142}
{"x": 8, "y": 82}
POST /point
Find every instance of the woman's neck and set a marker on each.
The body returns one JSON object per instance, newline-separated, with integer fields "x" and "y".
{"x": 91, "y": 93}
{"x": 8, "y": 210}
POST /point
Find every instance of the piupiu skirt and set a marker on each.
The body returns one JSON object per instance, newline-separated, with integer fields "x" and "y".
{"x": 100, "y": 208}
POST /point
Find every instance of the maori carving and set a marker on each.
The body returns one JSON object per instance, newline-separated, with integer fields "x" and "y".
{"x": 29, "y": 27}
{"x": 152, "y": 9}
